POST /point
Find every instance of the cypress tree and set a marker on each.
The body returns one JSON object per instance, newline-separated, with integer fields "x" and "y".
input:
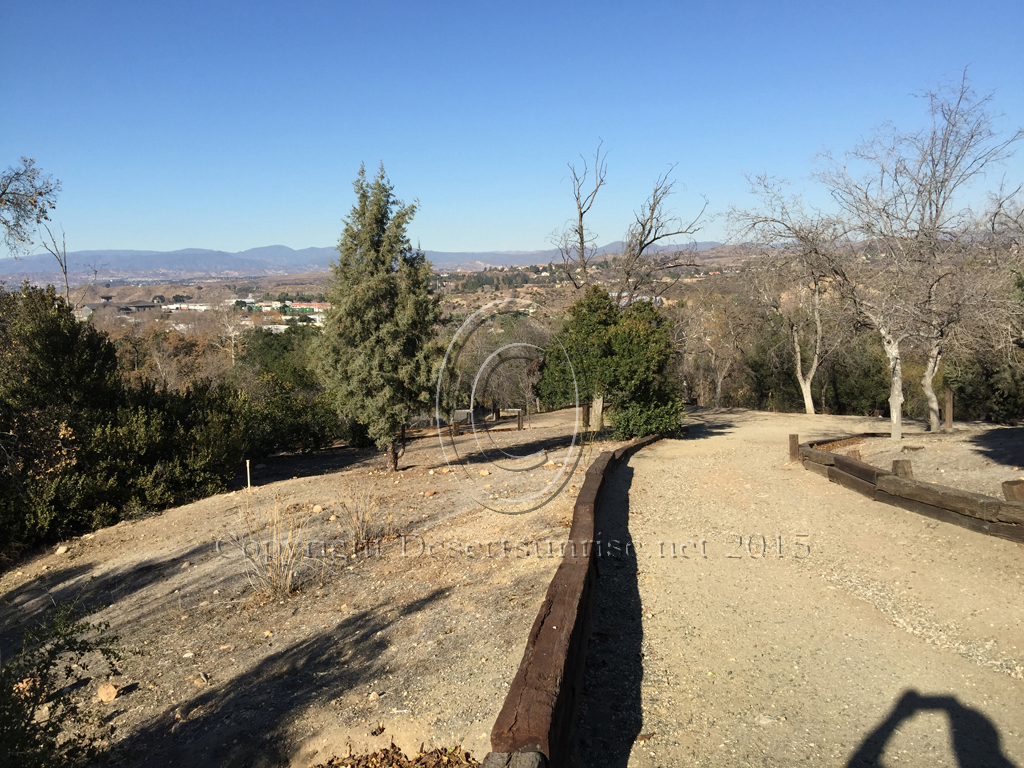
{"x": 379, "y": 344}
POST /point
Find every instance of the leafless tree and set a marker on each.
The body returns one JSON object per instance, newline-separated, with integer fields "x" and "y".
{"x": 710, "y": 331}
{"x": 59, "y": 251}
{"x": 792, "y": 275}
{"x": 913, "y": 278}
{"x": 576, "y": 243}
{"x": 641, "y": 265}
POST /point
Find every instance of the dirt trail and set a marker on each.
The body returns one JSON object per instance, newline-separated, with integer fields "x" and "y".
{"x": 876, "y": 631}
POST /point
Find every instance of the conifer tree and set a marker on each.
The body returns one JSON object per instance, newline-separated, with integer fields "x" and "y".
{"x": 379, "y": 343}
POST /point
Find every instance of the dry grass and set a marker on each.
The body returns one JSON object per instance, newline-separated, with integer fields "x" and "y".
{"x": 365, "y": 519}
{"x": 274, "y": 546}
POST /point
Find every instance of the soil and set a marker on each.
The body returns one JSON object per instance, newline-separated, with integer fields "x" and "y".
{"x": 413, "y": 643}
{"x": 852, "y": 633}
{"x": 877, "y": 632}
{"x": 974, "y": 457}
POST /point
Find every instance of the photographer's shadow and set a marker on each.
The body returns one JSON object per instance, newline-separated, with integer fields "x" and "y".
{"x": 975, "y": 737}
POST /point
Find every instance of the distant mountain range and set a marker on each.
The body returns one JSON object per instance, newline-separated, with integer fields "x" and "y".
{"x": 257, "y": 262}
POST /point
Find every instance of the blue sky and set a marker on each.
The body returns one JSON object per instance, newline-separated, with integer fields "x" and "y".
{"x": 235, "y": 125}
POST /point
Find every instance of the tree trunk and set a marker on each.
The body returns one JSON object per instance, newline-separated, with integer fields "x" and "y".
{"x": 805, "y": 381}
{"x": 392, "y": 454}
{"x": 891, "y": 346}
{"x": 927, "y": 383}
{"x": 805, "y": 390}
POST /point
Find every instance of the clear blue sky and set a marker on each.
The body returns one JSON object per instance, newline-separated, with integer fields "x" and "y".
{"x": 235, "y": 125}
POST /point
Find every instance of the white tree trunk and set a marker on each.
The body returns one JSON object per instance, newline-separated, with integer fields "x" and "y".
{"x": 927, "y": 383}
{"x": 891, "y": 345}
{"x": 805, "y": 380}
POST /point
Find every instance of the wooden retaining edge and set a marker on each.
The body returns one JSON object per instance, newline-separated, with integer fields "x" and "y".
{"x": 974, "y": 511}
{"x": 536, "y": 723}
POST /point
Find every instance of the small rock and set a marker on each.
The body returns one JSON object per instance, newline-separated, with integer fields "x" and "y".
{"x": 374, "y": 696}
{"x": 430, "y": 472}
{"x": 227, "y": 647}
{"x": 429, "y": 493}
{"x": 268, "y": 633}
{"x": 107, "y": 692}
{"x": 61, "y": 549}
{"x": 332, "y": 518}
{"x": 186, "y": 564}
{"x": 187, "y": 655}
{"x": 317, "y": 508}
{"x": 484, "y": 473}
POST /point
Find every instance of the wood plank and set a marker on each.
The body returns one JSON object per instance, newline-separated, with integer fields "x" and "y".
{"x": 903, "y": 468}
{"x": 818, "y": 457}
{"x": 818, "y": 469}
{"x": 1008, "y": 531}
{"x": 977, "y": 505}
{"x": 850, "y": 481}
{"x": 860, "y": 469}
{"x": 1013, "y": 490}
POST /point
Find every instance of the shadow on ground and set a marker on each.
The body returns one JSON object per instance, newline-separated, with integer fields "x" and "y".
{"x": 1003, "y": 446}
{"x": 244, "y": 721}
{"x": 975, "y": 740}
{"x": 287, "y": 466}
{"x": 26, "y": 605}
{"x": 610, "y": 716}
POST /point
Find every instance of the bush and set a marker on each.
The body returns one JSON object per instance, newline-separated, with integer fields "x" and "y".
{"x": 623, "y": 355}
{"x": 81, "y": 448}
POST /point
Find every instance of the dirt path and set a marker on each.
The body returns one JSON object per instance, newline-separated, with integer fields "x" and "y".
{"x": 876, "y": 630}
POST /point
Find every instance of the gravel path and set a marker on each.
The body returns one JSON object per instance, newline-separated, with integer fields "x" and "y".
{"x": 863, "y": 633}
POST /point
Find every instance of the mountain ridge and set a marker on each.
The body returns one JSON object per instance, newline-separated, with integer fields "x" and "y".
{"x": 272, "y": 259}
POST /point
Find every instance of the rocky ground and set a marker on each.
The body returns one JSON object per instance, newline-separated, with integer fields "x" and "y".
{"x": 772, "y": 618}
{"x": 414, "y": 642}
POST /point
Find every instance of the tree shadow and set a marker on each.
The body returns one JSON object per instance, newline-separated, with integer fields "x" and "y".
{"x": 1003, "y": 446}
{"x": 25, "y": 606}
{"x": 610, "y": 715}
{"x": 976, "y": 740}
{"x": 244, "y": 721}
{"x": 285, "y": 466}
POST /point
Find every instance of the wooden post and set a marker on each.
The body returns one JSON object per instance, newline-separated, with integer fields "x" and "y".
{"x": 902, "y": 468}
{"x": 248, "y": 477}
{"x": 949, "y": 409}
{"x": 519, "y": 420}
{"x": 585, "y": 417}
{"x": 1013, "y": 490}
{"x": 794, "y": 447}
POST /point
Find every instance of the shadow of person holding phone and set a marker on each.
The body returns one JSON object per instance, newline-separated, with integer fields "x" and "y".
{"x": 975, "y": 738}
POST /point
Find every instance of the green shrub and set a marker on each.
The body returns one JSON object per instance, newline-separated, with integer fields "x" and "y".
{"x": 40, "y": 723}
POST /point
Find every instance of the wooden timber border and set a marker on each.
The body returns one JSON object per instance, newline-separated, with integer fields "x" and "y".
{"x": 538, "y": 719}
{"x": 974, "y": 511}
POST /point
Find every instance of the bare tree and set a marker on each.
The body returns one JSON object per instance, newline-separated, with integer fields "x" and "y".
{"x": 576, "y": 243}
{"x": 793, "y": 274}
{"x": 912, "y": 280}
{"x": 641, "y": 265}
{"x": 709, "y": 333}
